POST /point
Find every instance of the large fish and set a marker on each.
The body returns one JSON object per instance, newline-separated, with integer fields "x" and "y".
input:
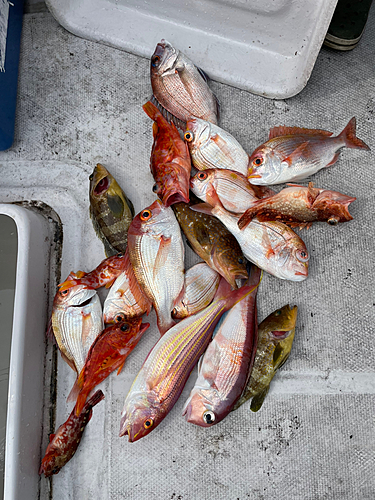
{"x": 76, "y": 322}
{"x": 233, "y": 189}
{"x": 275, "y": 340}
{"x": 272, "y": 246}
{"x": 170, "y": 160}
{"x": 180, "y": 87}
{"x": 224, "y": 368}
{"x": 296, "y": 205}
{"x": 212, "y": 147}
{"x": 293, "y": 153}
{"x": 157, "y": 252}
{"x": 201, "y": 283}
{"x": 64, "y": 443}
{"x": 125, "y": 298}
{"x": 212, "y": 241}
{"x": 103, "y": 275}
{"x": 111, "y": 210}
{"x": 107, "y": 353}
{"x": 166, "y": 369}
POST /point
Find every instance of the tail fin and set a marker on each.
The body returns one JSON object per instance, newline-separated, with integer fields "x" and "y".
{"x": 350, "y": 138}
{"x": 152, "y": 112}
{"x": 236, "y": 295}
{"x": 95, "y": 399}
{"x": 247, "y": 217}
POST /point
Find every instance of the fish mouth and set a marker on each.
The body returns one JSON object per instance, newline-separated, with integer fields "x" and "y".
{"x": 300, "y": 273}
{"x": 254, "y": 176}
{"x": 174, "y": 197}
{"x": 101, "y": 186}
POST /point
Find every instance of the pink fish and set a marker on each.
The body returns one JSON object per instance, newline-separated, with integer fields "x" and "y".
{"x": 293, "y": 153}
{"x": 64, "y": 443}
{"x": 299, "y": 206}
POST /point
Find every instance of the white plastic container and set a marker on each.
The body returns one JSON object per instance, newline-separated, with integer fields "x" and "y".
{"x": 25, "y": 393}
{"x": 268, "y": 47}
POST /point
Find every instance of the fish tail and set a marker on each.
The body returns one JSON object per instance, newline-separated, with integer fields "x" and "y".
{"x": 236, "y": 295}
{"x": 81, "y": 400}
{"x": 95, "y": 399}
{"x": 152, "y": 111}
{"x": 67, "y": 284}
{"x": 350, "y": 138}
{"x": 246, "y": 217}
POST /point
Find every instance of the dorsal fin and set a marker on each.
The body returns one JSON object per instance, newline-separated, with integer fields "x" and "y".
{"x": 283, "y": 131}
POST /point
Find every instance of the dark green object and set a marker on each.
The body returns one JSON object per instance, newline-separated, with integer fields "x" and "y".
{"x": 348, "y": 23}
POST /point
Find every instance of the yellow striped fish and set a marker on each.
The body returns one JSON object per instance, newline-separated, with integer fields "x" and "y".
{"x": 111, "y": 211}
{"x": 166, "y": 369}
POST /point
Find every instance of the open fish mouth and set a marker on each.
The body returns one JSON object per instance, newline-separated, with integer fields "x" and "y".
{"x": 101, "y": 186}
{"x": 174, "y": 197}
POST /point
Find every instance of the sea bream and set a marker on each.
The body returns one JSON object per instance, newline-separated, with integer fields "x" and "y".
{"x": 212, "y": 147}
{"x": 292, "y": 154}
{"x": 156, "y": 251}
{"x": 224, "y": 367}
{"x": 111, "y": 211}
{"x": 167, "y": 367}
{"x": 300, "y": 206}
{"x": 275, "y": 340}
{"x": 107, "y": 353}
{"x": 76, "y": 322}
{"x": 272, "y": 246}
{"x": 64, "y": 443}
{"x": 170, "y": 160}
{"x": 180, "y": 87}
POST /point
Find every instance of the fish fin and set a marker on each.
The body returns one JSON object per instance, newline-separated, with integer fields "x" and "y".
{"x": 312, "y": 193}
{"x": 350, "y": 138}
{"x": 334, "y": 159}
{"x": 222, "y": 145}
{"x": 258, "y": 399}
{"x": 95, "y": 398}
{"x": 277, "y": 354}
{"x": 230, "y": 279}
{"x": 246, "y": 218}
{"x": 283, "y": 131}
{"x": 204, "y": 208}
{"x": 212, "y": 197}
{"x": 49, "y": 331}
{"x": 201, "y": 233}
{"x": 203, "y": 74}
{"x": 110, "y": 283}
{"x": 218, "y": 110}
{"x": 154, "y": 130}
{"x": 51, "y": 437}
{"x": 167, "y": 115}
{"x": 295, "y": 154}
{"x": 77, "y": 387}
{"x": 116, "y": 205}
{"x": 68, "y": 361}
{"x": 65, "y": 285}
{"x": 299, "y": 225}
{"x": 79, "y": 274}
{"x": 120, "y": 367}
{"x": 163, "y": 252}
{"x": 130, "y": 205}
{"x": 282, "y": 362}
{"x": 108, "y": 248}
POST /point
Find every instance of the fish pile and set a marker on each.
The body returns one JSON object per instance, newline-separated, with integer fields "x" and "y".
{"x": 218, "y": 198}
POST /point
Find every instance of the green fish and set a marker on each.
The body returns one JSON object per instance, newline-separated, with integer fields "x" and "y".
{"x": 111, "y": 211}
{"x": 212, "y": 241}
{"x": 275, "y": 339}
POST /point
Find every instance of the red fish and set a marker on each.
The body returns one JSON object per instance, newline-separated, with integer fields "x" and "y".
{"x": 107, "y": 353}
{"x": 63, "y": 445}
{"x": 300, "y": 206}
{"x": 170, "y": 159}
{"x": 103, "y": 275}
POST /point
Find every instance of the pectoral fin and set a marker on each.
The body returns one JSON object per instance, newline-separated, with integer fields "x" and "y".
{"x": 116, "y": 205}
{"x": 296, "y": 154}
{"x": 163, "y": 251}
{"x": 258, "y": 399}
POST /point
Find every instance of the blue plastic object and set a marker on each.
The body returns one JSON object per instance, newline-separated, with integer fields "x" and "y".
{"x": 11, "y": 13}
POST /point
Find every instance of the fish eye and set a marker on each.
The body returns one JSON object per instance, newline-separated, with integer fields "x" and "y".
{"x": 55, "y": 470}
{"x": 302, "y": 255}
{"x": 241, "y": 260}
{"x": 155, "y": 188}
{"x": 155, "y": 61}
{"x": 202, "y": 176}
{"x": 209, "y": 417}
{"x": 258, "y": 161}
{"x": 148, "y": 423}
{"x": 64, "y": 292}
{"x": 120, "y": 255}
{"x": 145, "y": 214}
{"x": 91, "y": 177}
{"x": 332, "y": 221}
{"x": 125, "y": 327}
{"x": 188, "y": 136}
{"x": 278, "y": 312}
{"x": 120, "y": 317}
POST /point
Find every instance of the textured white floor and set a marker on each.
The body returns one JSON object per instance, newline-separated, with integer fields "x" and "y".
{"x": 314, "y": 437}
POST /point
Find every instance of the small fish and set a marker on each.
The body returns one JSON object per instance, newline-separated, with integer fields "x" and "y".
{"x": 157, "y": 252}
{"x": 212, "y": 147}
{"x": 170, "y": 160}
{"x": 167, "y": 367}
{"x": 201, "y": 283}
{"x": 297, "y": 205}
{"x": 210, "y": 239}
{"x": 111, "y": 211}
{"x": 233, "y": 189}
{"x": 292, "y": 153}
{"x": 125, "y": 298}
{"x": 103, "y": 275}
{"x": 275, "y": 340}
{"x": 76, "y": 322}
{"x": 107, "y": 354}
{"x": 180, "y": 87}
{"x": 223, "y": 369}
{"x": 272, "y": 246}
{"x": 64, "y": 443}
